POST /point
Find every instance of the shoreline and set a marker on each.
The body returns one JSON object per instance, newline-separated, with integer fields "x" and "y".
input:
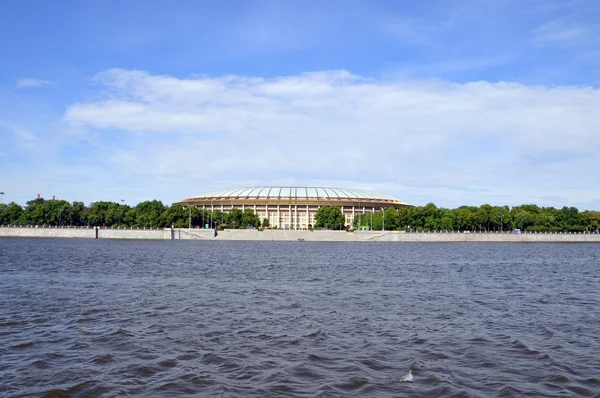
{"x": 291, "y": 235}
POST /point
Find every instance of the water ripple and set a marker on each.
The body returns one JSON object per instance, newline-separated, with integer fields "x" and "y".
{"x": 107, "y": 318}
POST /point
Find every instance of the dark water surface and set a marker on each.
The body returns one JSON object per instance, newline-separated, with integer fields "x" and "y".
{"x": 166, "y": 318}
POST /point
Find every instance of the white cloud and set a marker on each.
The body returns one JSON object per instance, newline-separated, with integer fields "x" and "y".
{"x": 440, "y": 140}
{"x": 33, "y": 82}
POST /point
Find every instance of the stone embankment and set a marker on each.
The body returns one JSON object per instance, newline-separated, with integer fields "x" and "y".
{"x": 288, "y": 235}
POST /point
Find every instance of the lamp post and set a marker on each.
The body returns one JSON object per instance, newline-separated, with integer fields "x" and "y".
{"x": 383, "y": 211}
{"x": 1, "y": 197}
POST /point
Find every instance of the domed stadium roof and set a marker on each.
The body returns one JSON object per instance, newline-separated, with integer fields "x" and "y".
{"x": 296, "y": 194}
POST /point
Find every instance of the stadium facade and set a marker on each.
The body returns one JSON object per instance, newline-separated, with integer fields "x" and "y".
{"x": 293, "y": 207}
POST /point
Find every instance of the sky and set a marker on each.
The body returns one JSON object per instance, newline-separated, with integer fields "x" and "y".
{"x": 455, "y": 102}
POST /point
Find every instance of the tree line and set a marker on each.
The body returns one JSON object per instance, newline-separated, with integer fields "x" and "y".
{"x": 484, "y": 218}
{"x": 154, "y": 213}
{"x": 151, "y": 213}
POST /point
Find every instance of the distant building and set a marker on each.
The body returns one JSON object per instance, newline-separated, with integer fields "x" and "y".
{"x": 293, "y": 207}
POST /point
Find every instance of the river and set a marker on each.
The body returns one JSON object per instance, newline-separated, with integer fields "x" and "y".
{"x": 298, "y": 319}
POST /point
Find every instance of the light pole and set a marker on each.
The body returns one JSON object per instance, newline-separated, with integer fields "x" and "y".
{"x": 383, "y": 211}
{"x": 1, "y": 197}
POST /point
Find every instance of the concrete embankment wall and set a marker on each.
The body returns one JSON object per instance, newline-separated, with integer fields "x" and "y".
{"x": 32, "y": 232}
{"x": 483, "y": 237}
{"x": 395, "y": 236}
{"x": 90, "y": 233}
{"x": 289, "y": 235}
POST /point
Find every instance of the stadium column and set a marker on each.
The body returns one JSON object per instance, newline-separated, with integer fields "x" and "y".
{"x": 278, "y": 216}
{"x": 307, "y": 216}
{"x": 295, "y": 216}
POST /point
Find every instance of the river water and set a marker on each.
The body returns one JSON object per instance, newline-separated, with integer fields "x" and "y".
{"x": 298, "y": 319}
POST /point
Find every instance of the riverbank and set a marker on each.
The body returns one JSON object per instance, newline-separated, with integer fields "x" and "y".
{"x": 288, "y": 235}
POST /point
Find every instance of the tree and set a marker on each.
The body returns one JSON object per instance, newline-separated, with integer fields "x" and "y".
{"x": 234, "y": 218}
{"x": 591, "y": 219}
{"x": 483, "y": 216}
{"x": 10, "y": 213}
{"x": 176, "y": 216}
{"x": 97, "y": 214}
{"x": 149, "y": 214}
{"x": 249, "y": 218}
{"x": 329, "y": 217}
{"x": 34, "y": 213}
{"x": 465, "y": 218}
{"x": 265, "y": 223}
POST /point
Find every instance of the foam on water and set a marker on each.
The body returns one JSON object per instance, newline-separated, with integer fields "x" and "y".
{"x": 407, "y": 377}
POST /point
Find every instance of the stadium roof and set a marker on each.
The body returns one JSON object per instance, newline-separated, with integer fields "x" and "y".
{"x": 296, "y": 193}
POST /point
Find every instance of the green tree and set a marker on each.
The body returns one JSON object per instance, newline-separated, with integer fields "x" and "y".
{"x": 176, "y": 216}
{"x": 569, "y": 219}
{"x": 34, "y": 213}
{"x": 329, "y": 217}
{"x": 97, "y": 214}
{"x": 149, "y": 214}
{"x": 116, "y": 214}
{"x": 265, "y": 223}
{"x": 10, "y": 213}
{"x": 592, "y": 220}
{"x": 483, "y": 217}
{"x": 249, "y": 218}
{"x": 234, "y": 218}
{"x": 465, "y": 218}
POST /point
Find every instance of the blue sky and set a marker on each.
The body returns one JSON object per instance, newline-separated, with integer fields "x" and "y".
{"x": 444, "y": 101}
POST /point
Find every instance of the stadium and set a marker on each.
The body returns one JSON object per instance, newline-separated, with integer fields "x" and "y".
{"x": 293, "y": 207}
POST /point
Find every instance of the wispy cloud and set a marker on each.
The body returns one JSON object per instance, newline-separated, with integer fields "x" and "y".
{"x": 414, "y": 32}
{"x": 24, "y": 137}
{"x": 33, "y": 82}
{"x": 559, "y": 33}
{"x": 551, "y": 5}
